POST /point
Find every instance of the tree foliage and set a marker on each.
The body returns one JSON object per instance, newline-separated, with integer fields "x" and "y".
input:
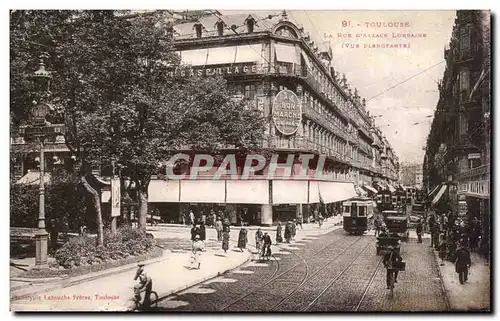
{"x": 111, "y": 84}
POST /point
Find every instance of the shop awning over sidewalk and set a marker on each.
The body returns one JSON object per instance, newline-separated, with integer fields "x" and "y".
{"x": 247, "y": 192}
{"x": 290, "y": 192}
{"x": 202, "y": 191}
{"x": 438, "y": 196}
{"x": 369, "y": 188}
{"x": 332, "y": 192}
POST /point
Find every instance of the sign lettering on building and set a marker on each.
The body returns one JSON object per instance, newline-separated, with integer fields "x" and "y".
{"x": 287, "y": 112}
{"x": 228, "y": 70}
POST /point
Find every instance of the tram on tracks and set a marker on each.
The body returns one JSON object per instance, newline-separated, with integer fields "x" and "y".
{"x": 356, "y": 214}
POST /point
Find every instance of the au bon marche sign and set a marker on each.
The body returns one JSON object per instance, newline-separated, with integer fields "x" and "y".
{"x": 287, "y": 112}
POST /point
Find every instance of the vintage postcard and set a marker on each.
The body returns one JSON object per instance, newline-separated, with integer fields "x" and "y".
{"x": 263, "y": 161}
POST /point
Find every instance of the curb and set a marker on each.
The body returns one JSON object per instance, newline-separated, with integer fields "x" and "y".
{"x": 446, "y": 296}
{"x": 68, "y": 282}
{"x": 211, "y": 276}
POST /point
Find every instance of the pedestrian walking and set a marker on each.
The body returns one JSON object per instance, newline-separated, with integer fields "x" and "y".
{"x": 378, "y": 225}
{"x": 320, "y": 220}
{"x": 203, "y": 217}
{"x": 294, "y": 230}
{"x": 218, "y": 228}
{"x": 225, "y": 235}
{"x": 288, "y": 232}
{"x": 300, "y": 220}
{"x": 183, "y": 216}
{"x": 203, "y": 232}
{"x": 442, "y": 248}
{"x": 213, "y": 218}
{"x": 198, "y": 246}
{"x": 279, "y": 239}
{"x": 462, "y": 264}
{"x": 419, "y": 231}
{"x": 258, "y": 239}
{"x": 191, "y": 217}
{"x": 242, "y": 239}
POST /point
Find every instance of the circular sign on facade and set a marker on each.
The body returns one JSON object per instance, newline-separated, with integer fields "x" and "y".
{"x": 287, "y": 112}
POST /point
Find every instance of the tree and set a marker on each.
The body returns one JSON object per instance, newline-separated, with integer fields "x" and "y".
{"x": 111, "y": 84}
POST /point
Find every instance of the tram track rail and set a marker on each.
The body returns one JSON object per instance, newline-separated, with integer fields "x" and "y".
{"x": 304, "y": 278}
{"x": 328, "y": 286}
{"x": 308, "y": 277}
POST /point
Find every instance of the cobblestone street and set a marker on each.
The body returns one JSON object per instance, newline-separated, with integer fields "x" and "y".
{"x": 334, "y": 272}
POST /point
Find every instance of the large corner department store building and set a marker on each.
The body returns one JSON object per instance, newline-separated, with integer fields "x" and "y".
{"x": 273, "y": 65}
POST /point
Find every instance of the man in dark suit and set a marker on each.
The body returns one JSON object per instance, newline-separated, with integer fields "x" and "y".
{"x": 462, "y": 263}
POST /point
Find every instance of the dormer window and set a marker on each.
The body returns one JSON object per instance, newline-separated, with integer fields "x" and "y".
{"x": 250, "y": 22}
{"x": 199, "y": 28}
{"x": 220, "y": 28}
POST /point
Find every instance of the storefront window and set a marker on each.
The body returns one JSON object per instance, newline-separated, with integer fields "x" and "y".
{"x": 250, "y": 91}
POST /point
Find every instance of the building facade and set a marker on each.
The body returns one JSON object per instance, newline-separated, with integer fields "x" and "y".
{"x": 263, "y": 60}
{"x": 458, "y": 152}
{"x": 412, "y": 175}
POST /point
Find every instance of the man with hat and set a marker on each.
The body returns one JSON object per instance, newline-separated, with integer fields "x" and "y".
{"x": 145, "y": 284}
{"x": 391, "y": 259}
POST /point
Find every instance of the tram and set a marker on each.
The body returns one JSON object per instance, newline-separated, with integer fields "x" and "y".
{"x": 356, "y": 214}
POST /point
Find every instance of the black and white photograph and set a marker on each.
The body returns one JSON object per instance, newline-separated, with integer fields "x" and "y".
{"x": 210, "y": 160}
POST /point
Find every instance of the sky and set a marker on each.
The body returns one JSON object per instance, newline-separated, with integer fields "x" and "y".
{"x": 375, "y": 70}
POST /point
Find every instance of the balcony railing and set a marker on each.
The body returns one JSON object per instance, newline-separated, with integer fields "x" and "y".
{"x": 318, "y": 118}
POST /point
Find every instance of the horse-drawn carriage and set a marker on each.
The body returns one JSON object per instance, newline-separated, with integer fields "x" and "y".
{"x": 356, "y": 214}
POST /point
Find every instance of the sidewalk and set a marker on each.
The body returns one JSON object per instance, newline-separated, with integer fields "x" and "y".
{"x": 473, "y": 295}
{"x": 114, "y": 292}
{"x": 182, "y": 232}
{"x": 112, "y": 289}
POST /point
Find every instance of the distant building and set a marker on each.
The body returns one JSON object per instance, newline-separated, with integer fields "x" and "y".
{"x": 412, "y": 175}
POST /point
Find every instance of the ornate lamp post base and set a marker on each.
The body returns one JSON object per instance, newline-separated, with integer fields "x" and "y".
{"x": 41, "y": 240}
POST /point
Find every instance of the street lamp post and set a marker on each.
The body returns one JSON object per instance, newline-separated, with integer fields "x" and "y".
{"x": 40, "y": 129}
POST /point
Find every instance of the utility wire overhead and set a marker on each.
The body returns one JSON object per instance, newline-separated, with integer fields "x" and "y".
{"x": 407, "y": 79}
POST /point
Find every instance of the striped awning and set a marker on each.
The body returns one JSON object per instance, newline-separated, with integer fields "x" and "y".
{"x": 369, "y": 188}
{"x": 439, "y": 194}
{"x": 433, "y": 191}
